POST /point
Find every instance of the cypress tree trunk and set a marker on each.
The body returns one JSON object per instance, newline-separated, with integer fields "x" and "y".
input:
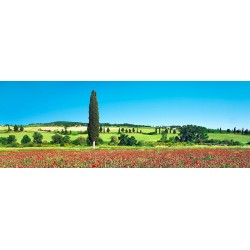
{"x": 93, "y": 126}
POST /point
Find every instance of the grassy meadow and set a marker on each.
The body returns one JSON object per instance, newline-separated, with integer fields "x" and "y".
{"x": 113, "y": 132}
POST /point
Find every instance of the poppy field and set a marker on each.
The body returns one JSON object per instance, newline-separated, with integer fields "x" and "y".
{"x": 156, "y": 158}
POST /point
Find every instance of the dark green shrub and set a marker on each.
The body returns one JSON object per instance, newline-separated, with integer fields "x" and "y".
{"x": 80, "y": 141}
{"x": 3, "y": 141}
{"x": 15, "y": 128}
{"x": 37, "y": 137}
{"x": 57, "y": 139}
{"x": 66, "y": 139}
{"x": 125, "y": 140}
{"x": 11, "y": 139}
{"x": 26, "y": 139}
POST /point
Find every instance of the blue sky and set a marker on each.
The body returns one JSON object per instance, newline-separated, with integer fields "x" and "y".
{"x": 211, "y": 104}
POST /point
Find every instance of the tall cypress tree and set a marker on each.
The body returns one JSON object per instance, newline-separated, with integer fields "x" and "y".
{"x": 93, "y": 126}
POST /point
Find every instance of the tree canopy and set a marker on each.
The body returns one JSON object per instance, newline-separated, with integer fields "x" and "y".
{"x": 193, "y": 133}
{"x": 94, "y": 125}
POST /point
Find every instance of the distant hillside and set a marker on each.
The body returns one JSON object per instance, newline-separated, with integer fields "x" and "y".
{"x": 72, "y": 124}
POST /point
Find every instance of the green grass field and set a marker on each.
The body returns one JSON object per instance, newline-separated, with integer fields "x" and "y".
{"x": 235, "y": 137}
{"x": 106, "y": 136}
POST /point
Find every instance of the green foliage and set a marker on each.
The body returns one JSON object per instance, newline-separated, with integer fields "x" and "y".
{"x": 222, "y": 142}
{"x": 11, "y": 139}
{"x": 3, "y": 141}
{"x": 15, "y": 128}
{"x": 21, "y": 128}
{"x": 125, "y": 140}
{"x": 57, "y": 139}
{"x": 174, "y": 139}
{"x": 26, "y": 139}
{"x": 193, "y": 133}
{"x": 114, "y": 140}
{"x": 81, "y": 141}
{"x": 66, "y": 139}
{"x": 164, "y": 136}
{"x": 37, "y": 137}
{"x": 93, "y": 126}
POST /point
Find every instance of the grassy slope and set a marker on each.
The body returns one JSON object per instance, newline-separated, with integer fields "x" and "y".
{"x": 235, "y": 137}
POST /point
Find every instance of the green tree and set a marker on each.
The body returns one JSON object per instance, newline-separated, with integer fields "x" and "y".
{"x": 15, "y": 128}
{"x": 66, "y": 139}
{"x": 26, "y": 139}
{"x": 100, "y": 129}
{"x": 80, "y": 141}
{"x": 108, "y": 130}
{"x": 37, "y": 137}
{"x": 3, "y": 141}
{"x": 57, "y": 139}
{"x": 21, "y": 128}
{"x": 93, "y": 126}
{"x": 114, "y": 140}
{"x": 9, "y": 129}
{"x": 119, "y": 131}
{"x": 125, "y": 140}
{"x": 193, "y": 133}
{"x": 11, "y": 139}
{"x": 164, "y": 136}
{"x": 133, "y": 130}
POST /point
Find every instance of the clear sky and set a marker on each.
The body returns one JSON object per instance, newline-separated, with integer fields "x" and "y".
{"x": 211, "y": 104}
